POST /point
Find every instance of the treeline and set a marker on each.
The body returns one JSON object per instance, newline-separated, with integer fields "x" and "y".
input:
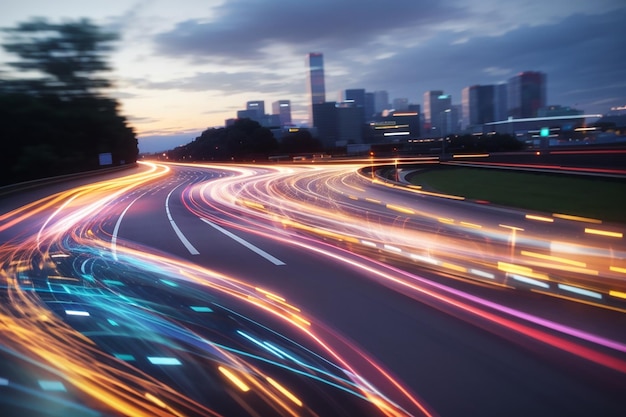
{"x": 244, "y": 140}
{"x": 55, "y": 120}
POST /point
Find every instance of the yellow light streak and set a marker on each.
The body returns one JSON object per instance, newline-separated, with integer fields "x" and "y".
{"x": 284, "y": 391}
{"x": 618, "y": 294}
{"x": 449, "y": 196}
{"x": 278, "y": 299}
{"x": 521, "y": 270}
{"x": 445, "y": 220}
{"x": 301, "y": 319}
{"x": 539, "y": 218}
{"x": 269, "y": 294}
{"x": 400, "y": 209}
{"x": 618, "y": 269}
{"x": 454, "y": 267}
{"x": 471, "y": 225}
{"x": 553, "y": 258}
{"x": 603, "y": 233}
{"x": 58, "y": 277}
{"x": 234, "y": 379}
{"x": 576, "y": 218}
{"x": 253, "y": 204}
{"x": 515, "y": 269}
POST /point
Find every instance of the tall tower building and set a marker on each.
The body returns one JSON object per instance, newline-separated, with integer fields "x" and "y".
{"x": 500, "y": 102}
{"x": 257, "y": 106}
{"x": 435, "y": 105}
{"x": 282, "y": 108}
{"x": 430, "y": 104}
{"x": 478, "y": 105}
{"x": 526, "y": 94}
{"x": 315, "y": 82}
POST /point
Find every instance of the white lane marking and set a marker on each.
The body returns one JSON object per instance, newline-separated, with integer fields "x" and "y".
{"x": 117, "y": 228}
{"x": 245, "y": 243}
{"x": 180, "y": 235}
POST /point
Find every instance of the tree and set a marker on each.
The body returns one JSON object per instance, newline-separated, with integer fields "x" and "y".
{"x": 300, "y": 142}
{"x": 243, "y": 140}
{"x": 69, "y": 56}
{"x": 55, "y": 119}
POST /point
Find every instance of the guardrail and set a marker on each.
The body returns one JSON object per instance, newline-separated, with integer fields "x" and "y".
{"x": 26, "y": 185}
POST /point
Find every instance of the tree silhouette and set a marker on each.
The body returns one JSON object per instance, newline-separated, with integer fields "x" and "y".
{"x": 55, "y": 119}
{"x": 68, "y": 55}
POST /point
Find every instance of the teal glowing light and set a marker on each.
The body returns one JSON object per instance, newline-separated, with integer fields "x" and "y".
{"x": 124, "y": 356}
{"x": 47, "y": 385}
{"x": 162, "y": 360}
{"x": 201, "y": 309}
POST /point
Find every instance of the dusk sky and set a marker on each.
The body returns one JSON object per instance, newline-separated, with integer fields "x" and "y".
{"x": 183, "y": 66}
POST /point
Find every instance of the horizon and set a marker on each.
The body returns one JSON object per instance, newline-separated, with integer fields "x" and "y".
{"x": 180, "y": 69}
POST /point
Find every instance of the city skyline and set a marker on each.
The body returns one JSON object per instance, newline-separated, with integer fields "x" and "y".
{"x": 179, "y": 69}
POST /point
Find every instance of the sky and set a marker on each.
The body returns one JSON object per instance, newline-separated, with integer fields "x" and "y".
{"x": 183, "y": 66}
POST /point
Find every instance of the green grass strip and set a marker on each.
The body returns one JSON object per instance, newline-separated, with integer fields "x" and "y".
{"x": 594, "y": 197}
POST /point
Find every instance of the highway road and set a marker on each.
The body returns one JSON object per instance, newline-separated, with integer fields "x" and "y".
{"x": 227, "y": 289}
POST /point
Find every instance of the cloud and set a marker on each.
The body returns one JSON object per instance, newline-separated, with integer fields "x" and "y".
{"x": 575, "y": 52}
{"x": 242, "y": 30}
{"x": 405, "y": 46}
{"x": 220, "y": 81}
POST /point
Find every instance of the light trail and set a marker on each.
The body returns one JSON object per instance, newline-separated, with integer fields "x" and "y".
{"x": 65, "y": 286}
{"x": 94, "y": 319}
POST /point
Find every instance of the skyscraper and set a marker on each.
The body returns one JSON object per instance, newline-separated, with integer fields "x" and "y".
{"x": 478, "y": 105}
{"x": 282, "y": 108}
{"x": 435, "y": 105}
{"x": 315, "y": 84}
{"x": 356, "y": 95}
{"x": 526, "y": 94}
{"x": 257, "y": 106}
{"x": 500, "y": 102}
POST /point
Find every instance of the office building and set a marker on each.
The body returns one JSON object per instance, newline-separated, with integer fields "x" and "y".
{"x": 477, "y": 105}
{"x": 435, "y": 105}
{"x": 350, "y": 123}
{"x": 355, "y": 97}
{"x": 500, "y": 102}
{"x": 526, "y": 94}
{"x": 258, "y": 107}
{"x": 326, "y": 122}
{"x": 282, "y": 108}
{"x": 381, "y": 101}
{"x": 315, "y": 82}
{"x": 248, "y": 114}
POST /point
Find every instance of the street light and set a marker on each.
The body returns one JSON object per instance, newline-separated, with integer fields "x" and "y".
{"x": 396, "y": 170}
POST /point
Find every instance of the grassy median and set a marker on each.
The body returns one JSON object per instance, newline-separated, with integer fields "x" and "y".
{"x": 594, "y": 197}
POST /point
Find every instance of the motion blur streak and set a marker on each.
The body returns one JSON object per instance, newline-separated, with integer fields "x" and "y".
{"x": 314, "y": 201}
{"x": 75, "y": 311}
